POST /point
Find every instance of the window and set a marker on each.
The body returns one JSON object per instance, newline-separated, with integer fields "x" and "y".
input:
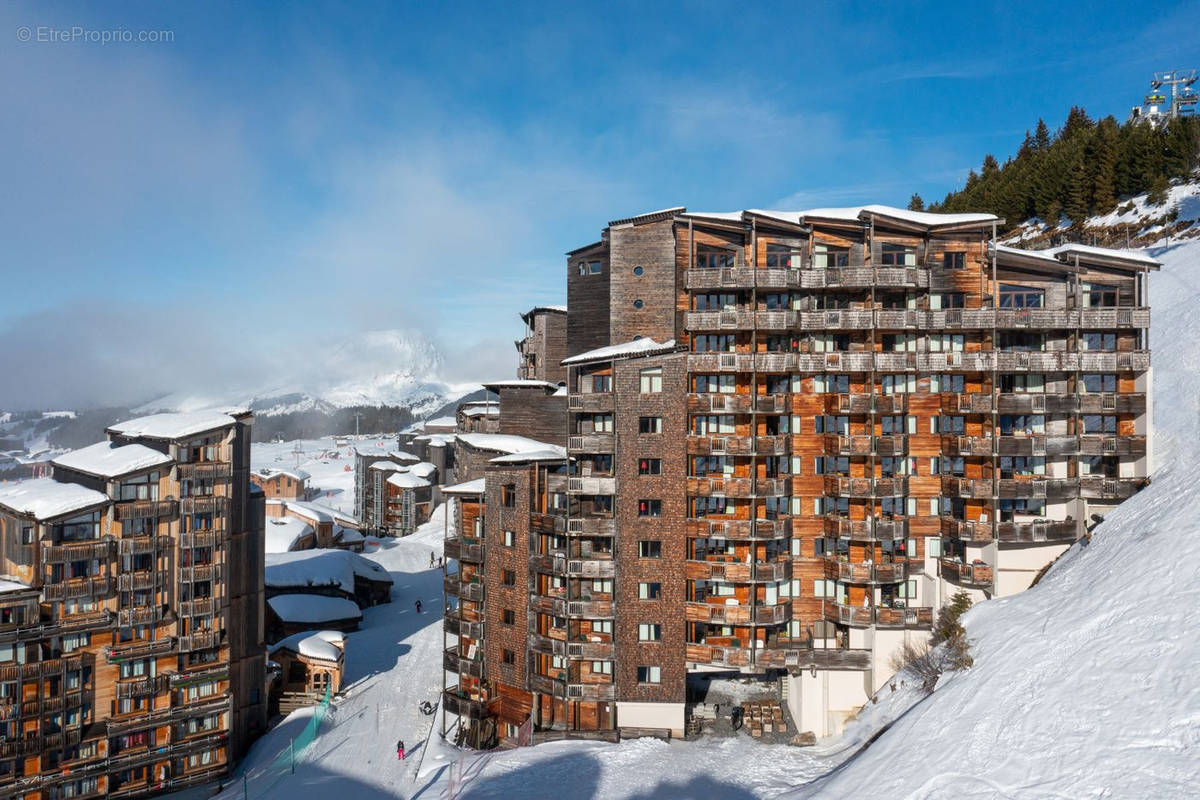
{"x": 1021, "y": 423}
{"x": 1093, "y": 384}
{"x": 956, "y": 260}
{"x": 509, "y": 656}
{"x": 714, "y": 258}
{"x": 638, "y": 270}
{"x": 508, "y": 495}
{"x": 650, "y": 548}
{"x": 781, "y": 256}
{"x": 715, "y": 384}
{"x": 649, "y": 674}
{"x": 825, "y": 255}
{"x": 649, "y": 632}
{"x": 508, "y": 616}
{"x": 599, "y": 423}
{"x": 714, "y": 343}
{"x": 651, "y": 380}
{"x": 509, "y": 577}
{"x": 715, "y": 301}
{"x": 947, "y": 300}
{"x": 1012, "y": 296}
{"x": 601, "y": 384}
{"x": 510, "y": 539}
{"x": 1099, "y": 295}
{"x": 1098, "y": 340}
{"x": 638, "y": 303}
{"x": 649, "y": 508}
{"x": 713, "y": 424}
{"x": 602, "y": 668}
{"x": 650, "y": 466}
{"x": 933, "y": 546}
{"x": 649, "y": 424}
{"x": 897, "y": 255}
{"x": 1095, "y": 423}
{"x": 649, "y": 590}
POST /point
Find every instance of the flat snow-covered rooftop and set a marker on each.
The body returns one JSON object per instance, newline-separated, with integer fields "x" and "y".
{"x": 284, "y": 533}
{"x": 638, "y": 347}
{"x": 46, "y": 498}
{"x": 507, "y": 443}
{"x": 174, "y": 425}
{"x": 313, "y": 608}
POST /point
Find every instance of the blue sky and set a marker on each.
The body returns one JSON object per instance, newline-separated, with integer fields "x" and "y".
{"x": 280, "y": 176}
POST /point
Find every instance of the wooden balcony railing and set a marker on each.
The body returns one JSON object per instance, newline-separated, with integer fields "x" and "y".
{"x": 141, "y": 545}
{"x": 739, "y": 529}
{"x": 205, "y": 470}
{"x": 591, "y": 401}
{"x": 143, "y": 509}
{"x": 591, "y": 568}
{"x": 976, "y": 575}
{"x": 464, "y": 706}
{"x": 101, "y": 550}
{"x": 591, "y": 691}
{"x": 100, "y": 586}
{"x": 852, "y": 572}
{"x": 591, "y": 443}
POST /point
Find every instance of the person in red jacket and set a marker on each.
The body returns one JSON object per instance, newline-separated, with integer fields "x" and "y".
{"x": 400, "y": 749}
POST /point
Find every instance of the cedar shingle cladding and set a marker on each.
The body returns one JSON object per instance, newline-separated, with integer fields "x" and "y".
{"x": 535, "y": 413}
{"x": 501, "y": 557}
{"x": 650, "y": 246}
{"x": 670, "y": 404}
{"x": 588, "y": 301}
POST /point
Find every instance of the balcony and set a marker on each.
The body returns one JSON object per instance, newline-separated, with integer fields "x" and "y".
{"x": 720, "y": 362}
{"x": 205, "y": 470}
{"x": 862, "y": 277}
{"x": 967, "y": 488}
{"x": 130, "y": 617}
{"x": 1091, "y": 444}
{"x": 734, "y": 571}
{"x": 591, "y": 443}
{"x": 865, "y": 530}
{"x": 591, "y": 401}
{"x": 144, "y": 509}
{"x": 591, "y": 568}
{"x": 141, "y": 545}
{"x": 865, "y": 572}
{"x": 592, "y": 526}
{"x": 199, "y": 539}
{"x": 1049, "y": 488}
{"x": 1132, "y": 403}
{"x": 78, "y": 551}
{"x": 136, "y": 581}
{"x": 836, "y": 486}
{"x": 896, "y": 362}
{"x": 550, "y": 645}
{"x": 454, "y": 661}
{"x": 1100, "y": 318}
{"x": 141, "y": 687}
{"x": 966, "y": 530}
{"x": 199, "y": 640}
{"x": 463, "y": 706}
{"x": 200, "y": 572}
{"x": 78, "y": 587}
{"x": 590, "y": 609}
{"x": 899, "y": 319}
{"x": 730, "y": 319}
{"x": 1095, "y": 487}
{"x": 1043, "y": 531}
{"x": 589, "y": 486}
{"x": 739, "y": 529}
{"x": 455, "y": 623}
{"x": 866, "y": 403}
{"x": 904, "y": 618}
{"x": 555, "y": 605}
{"x": 978, "y": 575}
{"x": 40, "y": 669}
{"x": 591, "y": 651}
{"x": 591, "y": 691}
{"x": 743, "y": 277}
{"x": 739, "y": 445}
{"x": 139, "y": 648}
{"x": 718, "y": 403}
{"x": 722, "y": 614}
{"x": 967, "y": 403}
{"x": 204, "y": 607}
{"x": 466, "y": 590}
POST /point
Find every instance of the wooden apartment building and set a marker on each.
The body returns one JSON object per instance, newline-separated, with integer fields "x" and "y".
{"x": 791, "y": 437}
{"x": 131, "y": 615}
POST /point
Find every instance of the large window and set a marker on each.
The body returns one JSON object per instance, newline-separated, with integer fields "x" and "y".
{"x": 651, "y": 380}
{"x": 715, "y": 258}
{"x": 649, "y": 632}
{"x": 827, "y": 255}
{"x": 650, "y": 548}
{"x": 714, "y": 343}
{"x": 601, "y": 384}
{"x": 955, "y": 260}
{"x": 650, "y": 590}
{"x": 897, "y": 255}
{"x": 782, "y": 256}
{"x": 714, "y": 384}
{"x": 1098, "y": 340}
{"x": 1093, "y": 384}
{"x": 713, "y": 424}
{"x": 714, "y": 301}
{"x": 649, "y": 674}
{"x": 1012, "y": 296}
{"x": 1099, "y": 295}
{"x": 649, "y": 424}
{"x": 649, "y": 508}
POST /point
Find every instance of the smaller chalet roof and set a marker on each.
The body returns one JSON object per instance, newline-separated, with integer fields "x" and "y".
{"x": 507, "y": 443}
{"x": 174, "y": 425}
{"x": 524, "y": 383}
{"x": 284, "y": 533}
{"x": 525, "y": 315}
{"x": 638, "y": 347}
{"x": 649, "y": 216}
{"x": 9, "y": 584}
{"x": 1087, "y": 252}
{"x": 423, "y": 470}
{"x": 489, "y": 410}
{"x": 406, "y": 480}
{"x": 525, "y": 458}
{"x": 388, "y": 466}
{"x": 477, "y": 486}
{"x": 111, "y": 460}
{"x": 46, "y": 498}
{"x": 395, "y": 455}
{"x": 347, "y": 535}
{"x": 321, "y": 645}
{"x": 313, "y": 609}
{"x": 269, "y": 473}
{"x": 322, "y": 512}
{"x": 324, "y": 567}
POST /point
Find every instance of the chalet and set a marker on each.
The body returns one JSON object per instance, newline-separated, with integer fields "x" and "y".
{"x": 331, "y": 573}
{"x": 544, "y": 345}
{"x": 311, "y": 667}
{"x": 288, "y": 614}
{"x": 282, "y": 484}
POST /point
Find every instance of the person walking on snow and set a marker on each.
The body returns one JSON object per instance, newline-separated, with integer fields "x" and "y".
{"x": 431, "y": 558}
{"x": 400, "y": 749}
{"x": 418, "y": 606}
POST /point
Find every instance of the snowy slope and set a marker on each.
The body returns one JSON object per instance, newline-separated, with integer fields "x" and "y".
{"x": 1085, "y": 685}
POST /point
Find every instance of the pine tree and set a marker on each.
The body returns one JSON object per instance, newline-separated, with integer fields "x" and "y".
{"x": 1041, "y": 137}
{"x": 915, "y": 203}
{"x": 1102, "y": 158}
{"x": 1077, "y": 123}
{"x": 1159, "y": 187}
{"x": 990, "y": 167}
{"x": 1076, "y": 206}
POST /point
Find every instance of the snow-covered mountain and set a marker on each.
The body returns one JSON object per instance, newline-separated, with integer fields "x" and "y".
{"x": 376, "y": 368}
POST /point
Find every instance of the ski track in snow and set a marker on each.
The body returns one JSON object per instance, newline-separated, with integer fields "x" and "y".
{"x": 1083, "y": 687}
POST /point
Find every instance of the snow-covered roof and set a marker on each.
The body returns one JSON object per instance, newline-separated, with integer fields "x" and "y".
{"x": 284, "y": 533}
{"x": 423, "y": 470}
{"x": 440, "y": 422}
{"x": 1040, "y": 255}
{"x": 476, "y": 486}
{"x": 638, "y": 347}
{"x": 926, "y": 219}
{"x": 525, "y": 315}
{"x": 347, "y": 535}
{"x": 519, "y": 383}
{"x": 111, "y": 460}
{"x": 9, "y": 584}
{"x": 507, "y": 443}
{"x": 388, "y": 466}
{"x": 395, "y": 455}
{"x": 406, "y": 480}
{"x": 525, "y": 458}
{"x": 313, "y": 608}
{"x": 46, "y": 498}
{"x": 322, "y": 645}
{"x": 662, "y": 212}
{"x": 324, "y": 567}
{"x": 1086, "y": 250}
{"x": 489, "y": 410}
{"x": 270, "y": 473}
{"x": 174, "y": 425}
{"x": 320, "y": 512}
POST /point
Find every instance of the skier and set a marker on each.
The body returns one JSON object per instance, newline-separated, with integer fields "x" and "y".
{"x": 418, "y": 606}
{"x": 431, "y": 559}
{"x": 400, "y": 749}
